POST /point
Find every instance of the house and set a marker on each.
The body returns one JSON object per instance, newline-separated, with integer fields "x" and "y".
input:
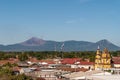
{"x": 70, "y": 61}
{"x": 10, "y": 60}
{"x": 32, "y": 61}
{"x": 23, "y": 64}
{"x": 116, "y": 62}
{"x": 16, "y": 70}
{"x": 88, "y": 75}
{"x": 29, "y": 70}
{"x": 49, "y": 63}
{"x": 77, "y": 63}
{"x": 83, "y": 64}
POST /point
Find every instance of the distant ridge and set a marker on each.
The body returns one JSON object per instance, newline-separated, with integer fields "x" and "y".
{"x": 34, "y": 41}
{"x": 36, "y": 44}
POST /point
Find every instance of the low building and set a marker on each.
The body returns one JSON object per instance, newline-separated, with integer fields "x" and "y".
{"x": 83, "y": 64}
{"x": 90, "y": 75}
{"x": 116, "y": 62}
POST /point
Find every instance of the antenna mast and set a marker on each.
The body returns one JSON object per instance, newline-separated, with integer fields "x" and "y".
{"x": 62, "y": 46}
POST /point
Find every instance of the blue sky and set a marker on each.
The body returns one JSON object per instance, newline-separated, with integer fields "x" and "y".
{"x": 60, "y": 20}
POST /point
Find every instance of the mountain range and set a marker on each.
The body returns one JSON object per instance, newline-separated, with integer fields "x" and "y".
{"x": 36, "y": 44}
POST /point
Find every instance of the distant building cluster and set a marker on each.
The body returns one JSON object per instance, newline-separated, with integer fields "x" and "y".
{"x": 69, "y": 68}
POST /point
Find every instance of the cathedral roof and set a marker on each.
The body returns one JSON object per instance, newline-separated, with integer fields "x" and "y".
{"x": 105, "y": 50}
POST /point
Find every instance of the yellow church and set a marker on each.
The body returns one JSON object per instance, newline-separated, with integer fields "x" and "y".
{"x": 102, "y": 59}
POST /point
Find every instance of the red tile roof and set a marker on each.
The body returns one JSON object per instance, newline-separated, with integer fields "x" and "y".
{"x": 12, "y": 61}
{"x": 70, "y": 60}
{"x": 34, "y": 60}
{"x": 48, "y": 61}
{"x": 116, "y": 60}
{"x": 86, "y": 63}
{"x": 16, "y": 68}
{"x": 74, "y": 60}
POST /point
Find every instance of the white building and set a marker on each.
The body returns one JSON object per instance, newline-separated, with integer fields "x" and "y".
{"x": 91, "y": 75}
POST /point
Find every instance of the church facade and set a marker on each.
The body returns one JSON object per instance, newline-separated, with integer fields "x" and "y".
{"x": 102, "y": 60}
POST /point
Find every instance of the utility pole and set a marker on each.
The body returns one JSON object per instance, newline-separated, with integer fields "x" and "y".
{"x": 62, "y": 46}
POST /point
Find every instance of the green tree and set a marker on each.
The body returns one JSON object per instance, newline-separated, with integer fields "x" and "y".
{"x": 21, "y": 77}
{"x": 23, "y": 57}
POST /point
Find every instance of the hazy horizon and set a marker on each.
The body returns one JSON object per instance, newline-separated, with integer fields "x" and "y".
{"x": 59, "y": 20}
{"x": 56, "y": 41}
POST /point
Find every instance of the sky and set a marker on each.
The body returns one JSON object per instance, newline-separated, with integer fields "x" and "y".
{"x": 59, "y": 20}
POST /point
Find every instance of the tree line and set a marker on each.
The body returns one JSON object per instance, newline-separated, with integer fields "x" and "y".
{"x": 52, "y": 54}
